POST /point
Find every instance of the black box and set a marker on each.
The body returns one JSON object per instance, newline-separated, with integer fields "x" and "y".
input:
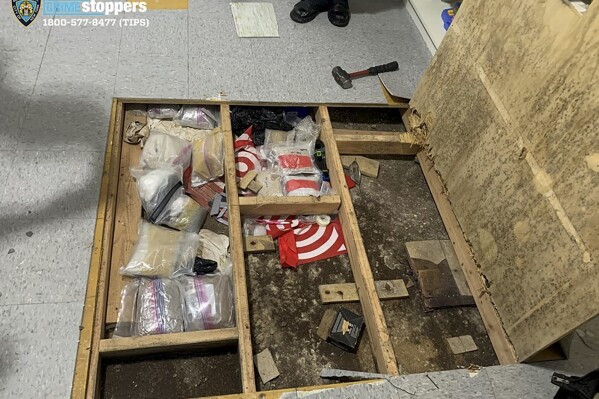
{"x": 346, "y": 330}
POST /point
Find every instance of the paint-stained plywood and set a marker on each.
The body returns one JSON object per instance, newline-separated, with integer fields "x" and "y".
{"x": 511, "y": 110}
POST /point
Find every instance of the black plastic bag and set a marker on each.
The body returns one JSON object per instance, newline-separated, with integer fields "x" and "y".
{"x": 585, "y": 387}
{"x": 260, "y": 119}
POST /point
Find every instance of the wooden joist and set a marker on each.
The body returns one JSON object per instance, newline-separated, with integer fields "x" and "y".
{"x": 267, "y": 206}
{"x": 242, "y": 312}
{"x": 371, "y": 307}
{"x": 501, "y": 343}
{"x": 163, "y": 343}
{"x": 374, "y": 142}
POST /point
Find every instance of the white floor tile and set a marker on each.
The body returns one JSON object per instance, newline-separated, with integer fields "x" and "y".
{"x": 38, "y": 344}
{"x": 52, "y": 184}
{"x": 49, "y": 266}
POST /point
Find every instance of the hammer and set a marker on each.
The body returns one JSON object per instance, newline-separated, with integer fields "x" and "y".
{"x": 344, "y": 79}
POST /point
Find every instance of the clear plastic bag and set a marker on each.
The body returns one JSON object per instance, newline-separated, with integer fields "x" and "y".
{"x": 302, "y": 185}
{"x": 162, "y": 252}
{"x": 163, "y": 111}
{"x": 207, "y": 160}
{"x": 183, "y": 213}
{"x": 126, "y": 322}
{"x": 307, "y": 131}
{"x": 209, "y": 302}
{"x": 254, "y": 227}
{"x": 295, "y": 159}
{"x": 197, "y": 117}
{"x": 154, "y": 185}
{"x": 160, "y": 307}
{"x": 162, "y": 149}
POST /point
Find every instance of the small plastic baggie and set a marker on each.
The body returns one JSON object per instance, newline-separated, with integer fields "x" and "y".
{"x": 302, "y": 185}
{"x": 295, "y": 159}
{"x": 162, "y": 252}
{"x": 163, "y": 111}
{"x": 209, "y": 302}
{"x": 150, "y": 306}
{"x": 197, "y": 117}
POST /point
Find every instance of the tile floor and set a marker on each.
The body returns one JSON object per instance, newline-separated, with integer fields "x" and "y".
{"x": 56, "y": 85}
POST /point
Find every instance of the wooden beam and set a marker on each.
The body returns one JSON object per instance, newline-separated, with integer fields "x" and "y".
{"x": 99, "y": 257}
{"x": 348, "y": 292}
{"x": 501, "y": 343}
{"x": 371, "y": 307}
{"x": 137, "y": 346}
{"x": 128, "y": 216}
{"x": 373, "y": 142}
{"x": 258, "y": 244}
{"x": 267, "y": 206}
{"x": 278, "y": 393}
{"x": 242, "y": 310}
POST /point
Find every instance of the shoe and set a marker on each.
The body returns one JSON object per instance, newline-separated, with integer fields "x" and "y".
{"x": 339, "y": 14}
{"x": 307, "y": 10}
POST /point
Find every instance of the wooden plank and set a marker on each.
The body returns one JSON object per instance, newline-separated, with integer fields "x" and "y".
{"x": 516, "y": 146}
{"x": 439, "y": 274}
{"x": 373, "y": 142}
{"x": 242, "y": 312}
{"x": 100, "y": 255}
{"x": 501, "y": 343}
{"x": 128, "y": 216}
{"x": 373, "y": 314}
{"x": 462, "y": 344}
{"x": 280, "y": 393}
{"x": 391, "y": 289}
{"x": 258, "y": 244}
{"x": 100, "y": 294}
{"x": 267, "y": 206}
{"x": 347, "y": 292}
{"x": 163, "y": 343}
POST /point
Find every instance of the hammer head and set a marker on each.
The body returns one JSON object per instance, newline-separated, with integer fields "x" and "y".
{"x": 342, "y": 78}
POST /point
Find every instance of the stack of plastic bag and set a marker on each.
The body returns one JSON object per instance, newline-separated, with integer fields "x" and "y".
{"x": 166, "y": 296}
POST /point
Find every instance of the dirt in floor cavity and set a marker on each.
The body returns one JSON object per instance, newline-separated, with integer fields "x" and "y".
{"x": 285, "y": 312}
{"x": 173, "y": 376}
{"x": 393, "y": 209}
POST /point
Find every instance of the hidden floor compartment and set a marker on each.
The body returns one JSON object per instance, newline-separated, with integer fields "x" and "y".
{"x": 185, "y": 374}
{"x": 285, "y": 313}
{"x": 418, "y": 334}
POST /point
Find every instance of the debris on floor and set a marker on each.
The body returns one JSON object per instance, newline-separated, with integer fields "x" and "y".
{"x": 462, "y": 344}
{"x": 439, "y": 274}
{"x": 368, "y": 167}
{"x": 265, "y": 364}
{"x": 341, "y": 328}
{"x": 29, "y": 233}
{"x": 347, "y": 292}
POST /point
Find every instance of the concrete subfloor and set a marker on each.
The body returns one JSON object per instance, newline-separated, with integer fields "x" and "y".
{"x": 56, "y": 85}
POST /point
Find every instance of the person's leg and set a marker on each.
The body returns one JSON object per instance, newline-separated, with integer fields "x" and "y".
{"x": 307, "y": 10}
{"x": 339, "y": 14}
